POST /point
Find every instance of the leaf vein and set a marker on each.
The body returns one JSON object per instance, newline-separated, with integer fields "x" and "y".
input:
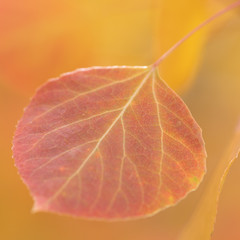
{"x": 161, "y": 128}
{"x": 87, "y": 92}
{"x": 55, "y": 157}
{"x": 101, "y": 139}
{"x": 70, "y": 124}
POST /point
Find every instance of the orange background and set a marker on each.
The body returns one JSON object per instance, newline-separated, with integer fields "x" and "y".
{"x": 41, "y": 39}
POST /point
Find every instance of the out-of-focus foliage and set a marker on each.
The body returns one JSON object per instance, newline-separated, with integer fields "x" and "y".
{"x": 216, "y": 97}
{"x": 42, "y": 39}
{"x": 201, "y": 225}
{"x": 175, "y": 19}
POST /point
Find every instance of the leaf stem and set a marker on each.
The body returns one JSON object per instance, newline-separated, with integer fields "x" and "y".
{"x": 177, "y": 44}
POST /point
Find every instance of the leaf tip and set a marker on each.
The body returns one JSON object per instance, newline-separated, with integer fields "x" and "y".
{"x": 36, "y": 208}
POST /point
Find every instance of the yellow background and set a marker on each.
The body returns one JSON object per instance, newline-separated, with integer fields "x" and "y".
{"x": 41, "y": 39}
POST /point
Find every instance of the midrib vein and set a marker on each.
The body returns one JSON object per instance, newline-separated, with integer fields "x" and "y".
{"x": 102, "y": 138}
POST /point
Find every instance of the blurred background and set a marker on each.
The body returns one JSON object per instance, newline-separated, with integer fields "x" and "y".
{"x": 41, "y": 39}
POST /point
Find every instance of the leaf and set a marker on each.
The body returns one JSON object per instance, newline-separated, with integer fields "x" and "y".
{"x": 109, "y": 143}
{"x": 202, "y": 222}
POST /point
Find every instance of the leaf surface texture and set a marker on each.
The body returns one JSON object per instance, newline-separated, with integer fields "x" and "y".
{"x": 108, "y": 143}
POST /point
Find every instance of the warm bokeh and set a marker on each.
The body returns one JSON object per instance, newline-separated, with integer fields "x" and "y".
{"x": 41, "y": 39}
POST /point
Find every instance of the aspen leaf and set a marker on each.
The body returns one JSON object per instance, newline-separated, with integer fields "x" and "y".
{"x": 108, "y": 143}
{"x": 201, "y": 225}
